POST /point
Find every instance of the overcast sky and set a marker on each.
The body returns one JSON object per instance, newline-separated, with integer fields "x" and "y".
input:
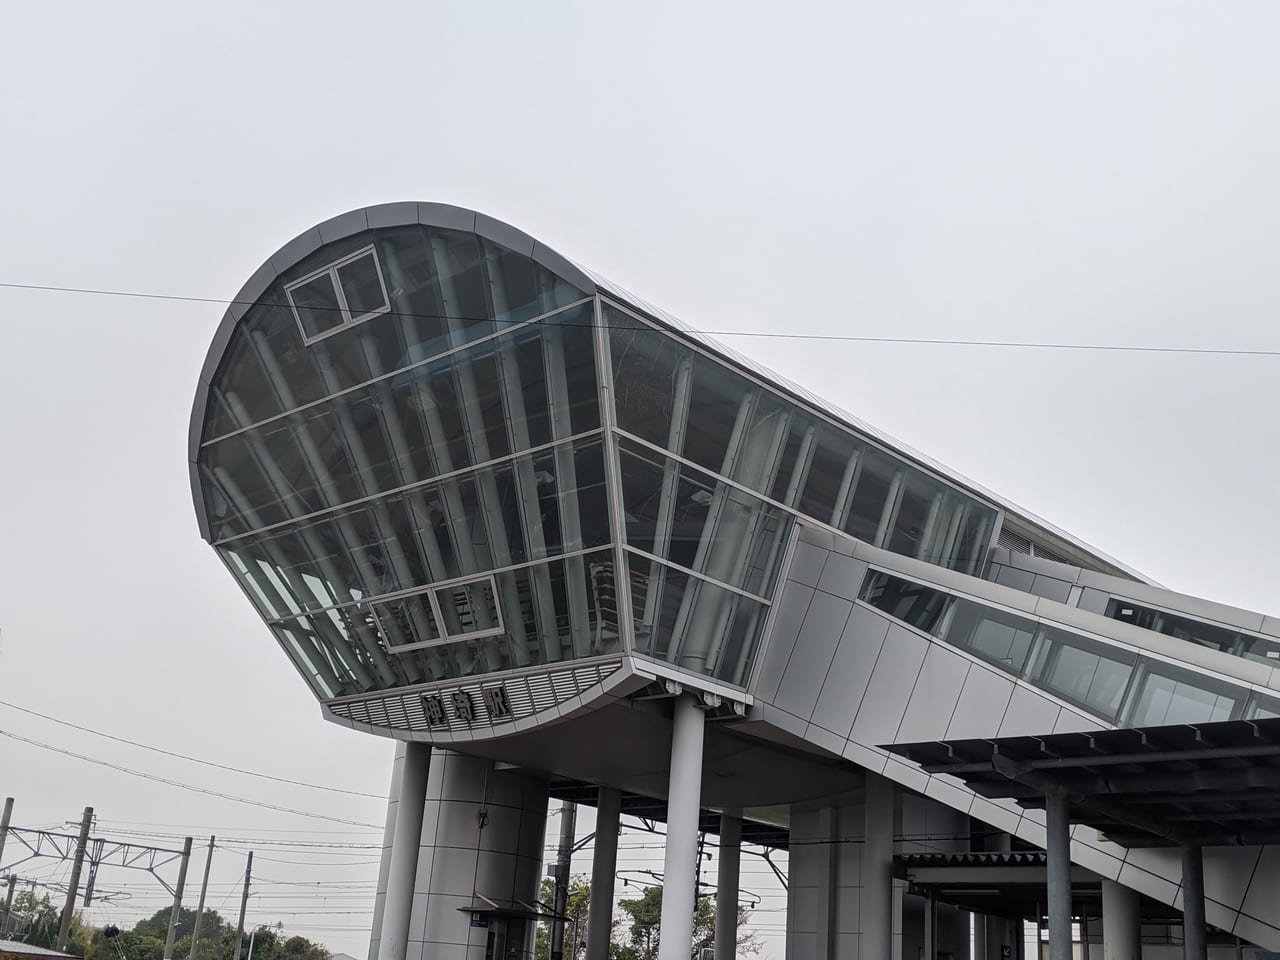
{"x": 1078, "y": 172}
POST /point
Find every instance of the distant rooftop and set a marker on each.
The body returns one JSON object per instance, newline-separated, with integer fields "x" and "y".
{"x": 15, "y": 948}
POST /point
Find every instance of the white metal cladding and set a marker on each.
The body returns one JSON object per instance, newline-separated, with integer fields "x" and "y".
{"x": 847, "y": 677}
{"x": 527, "y": 694}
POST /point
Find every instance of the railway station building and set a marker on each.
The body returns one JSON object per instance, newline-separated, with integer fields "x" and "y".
{"x": 560, "y": 545}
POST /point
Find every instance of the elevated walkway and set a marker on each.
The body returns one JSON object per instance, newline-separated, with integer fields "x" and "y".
{"x": 866, "y": 649}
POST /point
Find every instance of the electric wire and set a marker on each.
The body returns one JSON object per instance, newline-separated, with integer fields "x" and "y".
{"x": 180, "y": 784}
{"x": 757, "y": 334}
{"x": 181, "y": 756}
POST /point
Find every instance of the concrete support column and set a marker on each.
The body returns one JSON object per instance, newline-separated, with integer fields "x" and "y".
{"x": 684, "y": 798}
{"x": 604, "y": 865}
{"x": 726, "y": 942}
{"x": 482, "y": 844}
{"x": 930, "y": 925}
{"x": 1194, "y": 945}
{"x": 406, "y": 835}
{"x": 1121, "y": 922}
{"x": 1058, "y": 846}
{"x": 876, "y": 913}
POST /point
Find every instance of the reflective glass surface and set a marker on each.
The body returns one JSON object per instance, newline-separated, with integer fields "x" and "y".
{"x": 913, "y": 603}
{"x": 421, "y": 493}
{"x": 524, "y": 389}
{"x": 1089, "y": 674}
{"x": 692, "y": 623}
{"x": 530, "y": 507}
{"x": 550, "y": 612}
{"x": 446, "y": 289}
{"x": 1168, "y": 695}
{"x": 1109, "y": 681}
{"x": 1202, "y": 634}
{"x": 699, "y": 522}
{"x": 699, "y": 408}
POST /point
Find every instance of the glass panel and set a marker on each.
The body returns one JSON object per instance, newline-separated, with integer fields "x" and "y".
{"x": 443, "y": 293}
{"x": 362, "y": 286}
{"x": 998, "y": 637}
{"x": 1087, "y": 674}
{"x": 316, "y": 306}
{"x": 698, "y": 407}
{"x": 469, "y": 608}
{"x": 1194, "y": 631}
{"x": 408, "y": 621}
{"x": 691, "y": 518}
{"x": 1173, "y": 696}
{"x": 537, "y": 505}
{"x": 830, "y": 475}
{"x": 550, "y": 612}
{"x": 693, "y": 624}
{"x": 871, "y": 498}
{"x": 1263, "y": 708}
{"x": 1172, "y": 625}
{"x": 919, "y": 606}
{"x": 476, "y": 405}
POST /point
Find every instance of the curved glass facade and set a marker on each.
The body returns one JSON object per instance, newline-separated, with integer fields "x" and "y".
{"x": 425, "y": 456}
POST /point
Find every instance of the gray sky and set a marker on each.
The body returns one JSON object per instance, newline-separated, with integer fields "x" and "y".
{"x": 1070, "y": 172}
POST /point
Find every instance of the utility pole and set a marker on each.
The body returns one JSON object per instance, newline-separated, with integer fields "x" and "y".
{"x": 4, "y": 824}
{"x": 244, "y": 903}
{"x": 564, "y": 857}
{"x": 73, "y": 884}
{"x": 176, "y": 913}
{"x": 204, "y": 888}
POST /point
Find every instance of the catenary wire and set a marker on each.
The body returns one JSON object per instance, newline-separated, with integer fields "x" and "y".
{"x": 757, "y": 334}
{"x": 181, "y": 785}
{"x": 182, "y": 756}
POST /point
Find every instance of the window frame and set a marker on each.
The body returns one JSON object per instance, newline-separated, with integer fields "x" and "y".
{"x": 331, "y": 271}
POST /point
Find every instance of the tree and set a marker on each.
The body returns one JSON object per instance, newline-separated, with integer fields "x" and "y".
{"x": 645, "y": 912}
{"x": 575, "y": 930}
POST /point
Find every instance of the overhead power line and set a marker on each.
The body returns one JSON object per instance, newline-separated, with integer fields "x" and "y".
{"x": 757, "y": 334}
{"x": 183, "y": 756}
{"x": 181, "y": 785}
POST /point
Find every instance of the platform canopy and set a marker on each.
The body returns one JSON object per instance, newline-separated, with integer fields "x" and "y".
{"x": 1207, "y": 784}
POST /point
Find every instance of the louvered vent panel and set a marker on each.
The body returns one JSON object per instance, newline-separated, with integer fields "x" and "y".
{"x": 1011, "y": 541}
{"x": 443, "y": 706}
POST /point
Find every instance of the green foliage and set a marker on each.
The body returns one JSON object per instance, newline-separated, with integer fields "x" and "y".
{"x": 37, "y": 924}
{"x": 575, "y": 929}
{"x": 638, "y": 933}
{"x": 645, "y": 913}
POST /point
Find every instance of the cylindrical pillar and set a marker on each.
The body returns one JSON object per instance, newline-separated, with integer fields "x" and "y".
{"x": 604, "y": 865}
{"x": 726, "y": 942}
{"x": 876, "y": 913}
{"x": 407, "y": 835}
{"x": 684, "y": 797}
{"x": 1194, "y": 945}
{"x": 1058, "y": 847}
{"x": 482, "y": 844}
{"x": 1121, "y": 922}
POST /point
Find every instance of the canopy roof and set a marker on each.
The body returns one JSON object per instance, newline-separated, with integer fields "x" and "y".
{"x": 1212, "y": 784}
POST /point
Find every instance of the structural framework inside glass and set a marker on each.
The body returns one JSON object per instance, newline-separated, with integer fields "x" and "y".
{"x": 426, "y": 457}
